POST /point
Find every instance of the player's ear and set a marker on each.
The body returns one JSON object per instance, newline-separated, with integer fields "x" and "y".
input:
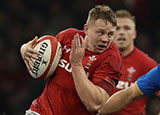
{"x": 135, "y": 34}
{"x": 85, "y": 28}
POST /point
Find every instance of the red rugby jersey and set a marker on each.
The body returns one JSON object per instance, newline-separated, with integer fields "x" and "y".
{"x": 134, "y": 66}
{"x": 59, "y": 96}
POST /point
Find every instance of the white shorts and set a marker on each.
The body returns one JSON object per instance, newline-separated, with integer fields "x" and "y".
{"x": 30, "y": 112}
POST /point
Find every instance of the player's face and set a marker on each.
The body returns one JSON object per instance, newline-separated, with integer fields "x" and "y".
{"x": 125, "y": 33}
{"x": 99, "y": 35}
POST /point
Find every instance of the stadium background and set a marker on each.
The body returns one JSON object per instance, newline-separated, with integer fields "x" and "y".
{"x": 21, "y": 20}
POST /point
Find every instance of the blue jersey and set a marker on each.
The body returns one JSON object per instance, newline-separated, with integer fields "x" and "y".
{"x": 150, "y": 82}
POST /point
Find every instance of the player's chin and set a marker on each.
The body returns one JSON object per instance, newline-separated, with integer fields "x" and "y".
{"x": 122, "y": 48}
{"x": 100, "y": 51}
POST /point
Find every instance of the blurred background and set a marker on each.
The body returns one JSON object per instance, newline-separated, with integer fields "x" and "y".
{"x": 22, "y": 20}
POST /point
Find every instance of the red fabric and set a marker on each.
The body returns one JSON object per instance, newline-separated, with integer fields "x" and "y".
{"x": 59, "y": 96}
{"x": 134, "y": 65}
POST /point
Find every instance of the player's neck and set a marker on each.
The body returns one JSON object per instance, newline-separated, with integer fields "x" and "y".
{"x": 127, "y": 51}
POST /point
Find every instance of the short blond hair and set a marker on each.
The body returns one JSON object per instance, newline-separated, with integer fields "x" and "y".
{"x": 103, "y": 12}
{"x": 124, "y": 14}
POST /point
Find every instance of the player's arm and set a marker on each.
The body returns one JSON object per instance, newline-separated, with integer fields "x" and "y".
{"x": 120, "y": 100}
{"x": 27, "y": 52}
{"x": 92, "y": 96}
{"x": 145, "y": 85}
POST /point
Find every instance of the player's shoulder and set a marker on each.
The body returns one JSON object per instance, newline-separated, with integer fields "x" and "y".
{"x": 66, "y": 35}
{"x": 140, "y": 54}
{"x": 113, "y": 50}
{"x": 143, "y": 57}
{"x": 112, "y": 53}
{"x": 71, "y": 31}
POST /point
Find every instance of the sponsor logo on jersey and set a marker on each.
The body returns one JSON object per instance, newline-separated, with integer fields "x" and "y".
{"x": 66, "y": 65}
{"x": 124, "y": 84}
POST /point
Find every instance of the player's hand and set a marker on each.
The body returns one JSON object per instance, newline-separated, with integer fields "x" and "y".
{"x": 27, "y": 52}
{"x": 77, "y": 49}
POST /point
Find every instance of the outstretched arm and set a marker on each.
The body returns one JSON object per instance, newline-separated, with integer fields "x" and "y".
{"x": 120, "y": 100}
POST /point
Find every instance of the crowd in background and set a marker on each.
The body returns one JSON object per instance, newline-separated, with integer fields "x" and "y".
{"x": 22, "y": 20}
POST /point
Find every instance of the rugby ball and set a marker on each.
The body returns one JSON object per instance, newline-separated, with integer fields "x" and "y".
{"x": 50, "y": 52}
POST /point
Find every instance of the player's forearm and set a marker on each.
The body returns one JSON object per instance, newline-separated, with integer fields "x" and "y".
{"x": 120, "y": 100}
{"x": 89, "y": 94}
{"x": 115, "y": 103}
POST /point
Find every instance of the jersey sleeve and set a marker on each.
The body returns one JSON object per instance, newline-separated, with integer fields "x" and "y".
{"x": 66, "y": 36}
{"x": 150, "y": 82}
{"x": 61, "y": 36}
{"x": 108, "y": 73}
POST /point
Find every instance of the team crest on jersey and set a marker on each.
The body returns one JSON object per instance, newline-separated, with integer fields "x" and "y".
{"x": 130, "y": 70}
{"x": 91, "y": 59}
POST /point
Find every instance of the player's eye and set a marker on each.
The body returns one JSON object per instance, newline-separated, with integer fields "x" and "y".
{"x": 127, "y": 28}
{"x": 100, "y": 33}
{"x": 110, "y": 34}
{"x": 118, "y": 28}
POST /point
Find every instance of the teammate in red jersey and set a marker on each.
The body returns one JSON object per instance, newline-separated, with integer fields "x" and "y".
{"x": 146, "y": 85}
{"x": 135, "y": 63}
{"x": 88, "y": 71}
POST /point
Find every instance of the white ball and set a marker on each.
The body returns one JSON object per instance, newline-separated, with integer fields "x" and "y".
{"x": 50, "y": 52}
